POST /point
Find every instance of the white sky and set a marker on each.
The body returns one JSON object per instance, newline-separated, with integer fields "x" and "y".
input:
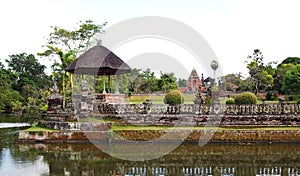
{"x": 233, "y": 28}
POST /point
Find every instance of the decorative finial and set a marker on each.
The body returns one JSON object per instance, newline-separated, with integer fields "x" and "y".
{"x": 99, "y": 42}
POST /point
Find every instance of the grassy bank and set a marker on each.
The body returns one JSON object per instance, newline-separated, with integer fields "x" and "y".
{"x": 119, "y": 127}
{"x": 36, "y": 128}
{"x": 157, "y": 99}
{"x": 189, "y": 99}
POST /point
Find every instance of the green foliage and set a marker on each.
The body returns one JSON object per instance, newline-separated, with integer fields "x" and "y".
{"x": 7, "y": 94}
{"x": 233, "y": 81}
{"x": 145, "y": 82}
{"x": 44, "y": 107}
{"x": 208, "y": 100}
{"x": 269, "y": 96}
{"x": 247, "y": 85}
{"x": 182, "y": 82}
{"x": 30, "y": 74}
{"x": 230, "y": 101}
{"x": 26, "y": 91}
{"x": 16, "y": 105}
{"x": 174, "y": 97}
{"x": 260, "y": 74}
{"x": 291, "y": 81}
{"x": 167, "y": 81}
{"x": 246, "y": 98}
{"x": 290, "y": 60}
{"x": 150, "y": 81}
{"x": 65, "y": 45}
{"x": 279, "y": 74}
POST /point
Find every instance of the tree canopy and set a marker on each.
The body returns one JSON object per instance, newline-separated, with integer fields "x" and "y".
{"x": 65, "y": 45}
{"x": 291, "y": 80}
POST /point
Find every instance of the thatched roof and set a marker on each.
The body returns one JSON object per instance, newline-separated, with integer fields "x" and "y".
{"x": 98, "y": 61}
{"x": 208, "y": 79}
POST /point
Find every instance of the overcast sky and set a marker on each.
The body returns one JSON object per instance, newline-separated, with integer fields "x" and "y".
{"x": 233, "y": 28}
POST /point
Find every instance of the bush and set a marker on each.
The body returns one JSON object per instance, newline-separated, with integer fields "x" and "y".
{"x": 269, "y": 96}
{"x": 230, "y": 101}
{"x": 246, "y": 98}
{"x": 174, "y": 97}
{"x": 298, "y": 102}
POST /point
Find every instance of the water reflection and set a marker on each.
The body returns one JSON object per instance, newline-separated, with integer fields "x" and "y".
{"x": 187, "y": 160}
{"x": 11, "y": 165}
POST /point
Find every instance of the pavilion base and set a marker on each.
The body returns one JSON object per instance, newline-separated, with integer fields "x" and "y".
{"x": 110, "y": 98}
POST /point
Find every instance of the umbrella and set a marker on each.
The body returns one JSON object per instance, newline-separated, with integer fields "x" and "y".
{"x": 98, "y": 61}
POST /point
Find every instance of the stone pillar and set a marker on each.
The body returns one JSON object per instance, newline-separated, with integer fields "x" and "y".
{"x": 104, "y": 91}
{"x": 117, "y": 84}
{"x": 109, "y": 84}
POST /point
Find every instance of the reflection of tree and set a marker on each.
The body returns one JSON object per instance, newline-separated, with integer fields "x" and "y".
{"x": 20, "y": 153}
{"x": 8, "y": 138}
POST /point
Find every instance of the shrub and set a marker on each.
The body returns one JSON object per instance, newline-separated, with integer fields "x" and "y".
{"x": 174, "y": 97}
{"x": 269, "y": 96}
{"x": 298, "y": 102}
{"x": 207, "y": 100}
{"x": 246, "y": 98}
{"x": 230, "y": 101}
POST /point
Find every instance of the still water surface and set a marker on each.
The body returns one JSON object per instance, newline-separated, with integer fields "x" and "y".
{"x": 187, "y": 160}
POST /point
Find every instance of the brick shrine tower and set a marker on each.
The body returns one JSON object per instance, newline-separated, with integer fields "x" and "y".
{"x": 193, "y": 82}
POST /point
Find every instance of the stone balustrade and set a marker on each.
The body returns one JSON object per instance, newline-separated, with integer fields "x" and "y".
{"x": 205, "y": 109}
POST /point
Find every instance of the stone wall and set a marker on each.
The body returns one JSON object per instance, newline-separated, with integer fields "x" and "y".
{"x": 240, "y": 136}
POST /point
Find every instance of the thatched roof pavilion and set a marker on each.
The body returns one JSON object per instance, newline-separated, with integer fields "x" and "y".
{"x": 98, "y": 61}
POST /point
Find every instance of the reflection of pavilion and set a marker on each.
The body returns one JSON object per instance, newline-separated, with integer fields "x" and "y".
{"x": 205, "y": 171}
{"x": 185, "y": 171}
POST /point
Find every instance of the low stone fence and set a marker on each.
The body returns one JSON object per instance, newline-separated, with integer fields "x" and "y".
{"x": 205, "y": 115}
{"x": 204, "y": 109}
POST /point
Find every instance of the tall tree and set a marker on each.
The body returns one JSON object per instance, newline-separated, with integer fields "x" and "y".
{"x": 259, "y": 73}
{"x": 30, "y": 81}
{"x": 149, "y": 81}
{"x": 30, "y": 73}
{"x": 7, "y": 94}
{"x": 182, "y": 82}
{"x": 167, "y": 81}
{"x": 233, "y": 81}
{"x": 290, "y": 60}
{"x": 282, "y": 68}
{"x": 279, "y": 75}
{"x": 65, "y": 45}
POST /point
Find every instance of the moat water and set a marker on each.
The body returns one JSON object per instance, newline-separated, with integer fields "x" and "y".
{"x": 187, "y": 160}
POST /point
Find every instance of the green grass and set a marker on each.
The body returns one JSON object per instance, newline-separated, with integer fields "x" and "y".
{"x": 118, "y": 128}
{"x": 96, "y": 119}
{"x": 156, "y": 99}
{"x": 189, "y": 99}
{"x": 36, "y": 128}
